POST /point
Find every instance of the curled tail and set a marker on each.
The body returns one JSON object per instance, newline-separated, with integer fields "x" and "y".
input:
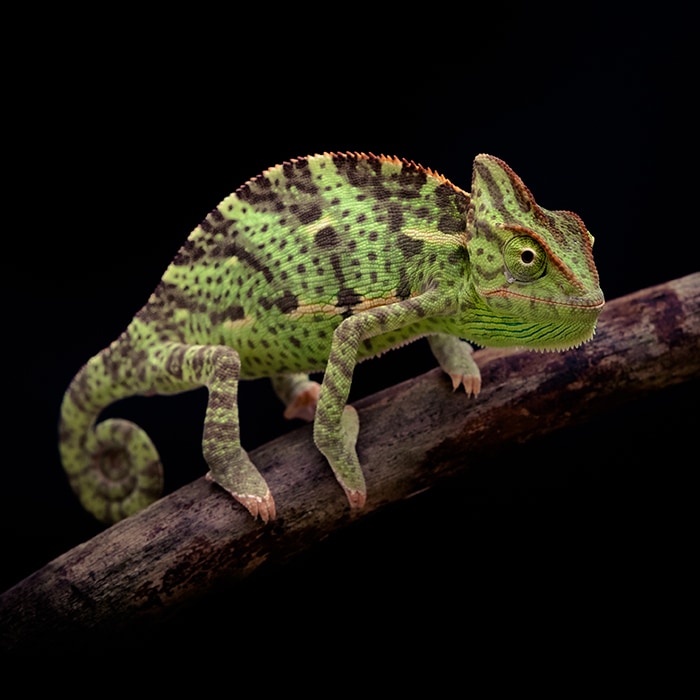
{"x": 112, "y": 466}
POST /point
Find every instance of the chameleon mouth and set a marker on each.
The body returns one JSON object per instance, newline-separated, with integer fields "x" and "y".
{"x": 595, "y": 304}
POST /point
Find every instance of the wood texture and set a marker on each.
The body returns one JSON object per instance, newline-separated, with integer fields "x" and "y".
{"x": 413, "y": 435}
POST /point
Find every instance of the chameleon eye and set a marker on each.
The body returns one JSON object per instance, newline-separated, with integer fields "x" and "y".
{"x": 525, "y": 259}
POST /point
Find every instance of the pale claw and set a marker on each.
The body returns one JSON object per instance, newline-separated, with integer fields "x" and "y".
{"x": 472, "y": 384}
{"x": 357, "y": 499}
{"x": 263, "y": 507}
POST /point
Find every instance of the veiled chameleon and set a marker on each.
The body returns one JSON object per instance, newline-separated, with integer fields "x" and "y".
{"x": 314, "y": 265}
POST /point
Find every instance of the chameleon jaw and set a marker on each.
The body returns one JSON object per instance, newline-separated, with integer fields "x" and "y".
{"x": 596, "y": 304}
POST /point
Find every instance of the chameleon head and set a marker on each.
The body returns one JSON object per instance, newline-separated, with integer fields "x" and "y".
{"x": 532, "y": 270}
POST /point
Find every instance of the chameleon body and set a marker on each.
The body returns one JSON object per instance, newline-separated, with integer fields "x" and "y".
{"x": 314, "y": 265}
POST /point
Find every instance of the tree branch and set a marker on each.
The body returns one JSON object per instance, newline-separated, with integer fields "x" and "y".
{"x": 412, "y": 436}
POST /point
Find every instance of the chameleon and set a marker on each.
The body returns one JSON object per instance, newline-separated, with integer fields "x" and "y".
{"x": 310, "y": 267}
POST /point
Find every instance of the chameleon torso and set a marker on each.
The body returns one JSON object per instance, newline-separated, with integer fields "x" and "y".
{"x": 314, "y": 265}
{"x": 276, "y": 267}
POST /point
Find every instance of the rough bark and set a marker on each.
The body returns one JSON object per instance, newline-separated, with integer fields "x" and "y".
{"x": 412, "y": 436}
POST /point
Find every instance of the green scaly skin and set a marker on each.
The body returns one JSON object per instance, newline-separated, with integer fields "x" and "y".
{"x": 314, "y": 265}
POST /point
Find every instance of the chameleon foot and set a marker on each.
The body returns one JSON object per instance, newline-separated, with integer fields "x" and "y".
{"x": 455, "y": 358}
{"x": 339, "y": 449}
{"x": 356, "y": 499}
{"x": 263, "y": 506}
{"x": 472, "y": 384}
{"x": 244, "y": 482}
{"x": 303, "y": 402}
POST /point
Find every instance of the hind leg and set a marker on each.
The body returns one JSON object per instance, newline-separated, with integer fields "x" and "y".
{"x": 218, "y": 367}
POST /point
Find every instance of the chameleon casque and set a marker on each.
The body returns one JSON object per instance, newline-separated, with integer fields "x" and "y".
{"x": 314, "y": 265}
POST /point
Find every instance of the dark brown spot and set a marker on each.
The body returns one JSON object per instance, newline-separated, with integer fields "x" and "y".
{"x": 348, "y": 297}
{"x": 409, "y": 246}
{"x": 327, "y": 237}
{"x": 338, "y": 268}
{"x": 249, "y": 259}
{"x": 308, "y": 213}
{"x": 403, "y": 290}
{"x": 395, "y": 211}
{"x": 287, "y": 303}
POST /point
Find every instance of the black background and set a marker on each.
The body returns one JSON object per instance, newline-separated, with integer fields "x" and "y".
{"x": 125, "y": 133}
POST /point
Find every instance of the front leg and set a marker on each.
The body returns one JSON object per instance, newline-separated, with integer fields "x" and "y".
{"x": 455, "y": 358}
{"x": 336, "y": 425}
